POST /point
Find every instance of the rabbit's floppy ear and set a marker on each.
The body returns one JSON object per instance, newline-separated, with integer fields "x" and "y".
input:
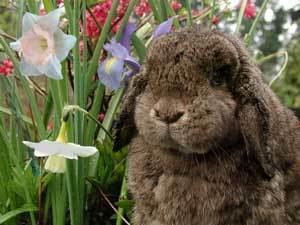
{"x": 124, "y": 127}
{"x": 265, "y": 124}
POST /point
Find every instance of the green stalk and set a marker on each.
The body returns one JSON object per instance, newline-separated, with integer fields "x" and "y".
{"x": 48, "y": 109}
{"x": 110, "y": 114}
{"x": 240, "y": 17}
{"x": 156, "y": 14}
{"x": 72, "y": 108}
{"x": 249, "y": 36}
{"x": 189, "y": 11}
{"x": 140, "y": 48}
{"x": 163, "y": 9}
{"x": 32, "y": 6}
{"x": 100, "y": 91}
{"x": 19, "y": 18}
{"x": 33, "y": 103}
{"x": 72, "y": 192}
{"x": 123, "y": 195}
{"x": 78, "y": 118}
{"x": 94, "y": 62}
{"x": 69, "y": 13}
{"x": 171, "y": 12}
{"x": 55, "y": 92}
{"x": 125, "y": 19}
{"x": 275, "y": 55}
{"x": 85, "y": 40}
{"x": 8, "y": 112}
{"x": 18, "y": 170}
{"x": 47, "y": 5}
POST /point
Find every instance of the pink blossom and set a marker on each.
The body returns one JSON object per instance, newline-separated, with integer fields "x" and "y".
{"x": 215, "y": 20}
{"x": 6, "y": 67}
{"x": 250, "y": 10}
{"x": 176, "y": 5}
{"x": 100, "y": 12}
{"x": 143, "y": 8}
{"x": 101, "y": 116}
{"x": 42, "y": 12}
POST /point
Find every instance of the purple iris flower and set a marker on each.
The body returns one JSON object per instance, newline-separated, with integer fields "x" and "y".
{"x": 164, "y": 27}
{"x": 111, "y": 69}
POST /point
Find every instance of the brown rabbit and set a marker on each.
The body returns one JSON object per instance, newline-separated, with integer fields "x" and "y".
{"x": 210, "y": 143}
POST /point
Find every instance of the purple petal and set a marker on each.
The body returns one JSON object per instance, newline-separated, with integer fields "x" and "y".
{"x": 132, "y": 64}
{"x": 164, "y": 27}
{"x": 125, "y": 40}
{"x": 110, "y": 72}
{"x": 117, "y": 50}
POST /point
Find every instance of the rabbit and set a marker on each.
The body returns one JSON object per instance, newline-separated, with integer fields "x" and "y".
{"x": 209, "y": 141}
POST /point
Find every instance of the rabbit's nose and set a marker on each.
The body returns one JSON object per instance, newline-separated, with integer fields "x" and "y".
{"x": 168, "y": 113}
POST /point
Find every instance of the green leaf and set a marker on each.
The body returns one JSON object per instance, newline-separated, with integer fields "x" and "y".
{"x": 140, "y": 48}
{"x": 125, "y": 204}
{"x": 15, "y": 212}
{"x": 90, "y": 3}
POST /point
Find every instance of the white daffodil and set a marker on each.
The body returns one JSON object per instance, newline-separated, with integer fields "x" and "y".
{"x": 59, "y": 150}
{"x": 43, "y": 45}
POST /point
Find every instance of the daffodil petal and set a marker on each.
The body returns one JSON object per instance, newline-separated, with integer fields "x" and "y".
{"x": 15, "y": 45}
{"x": 28, "y": 21}
{"x": 28, "y": 69}
{"x": 71, "y": 151}
{"x": 43, "y": 148}
{"x": 63, "y": 44}
{"x": 110, "y": 72}
{"x": 51, "y": 69}
{"x": 164, "y": 27}
{"x": 50, "y": 21}
{"x": 66, "y": 150}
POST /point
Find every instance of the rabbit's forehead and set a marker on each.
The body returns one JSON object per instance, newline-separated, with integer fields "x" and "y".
{"x": 178, "y": 68}
{"x": 185, "y": 60}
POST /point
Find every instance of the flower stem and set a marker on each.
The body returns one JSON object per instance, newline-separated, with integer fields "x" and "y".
{"x": 189, "y": 11}
{"x": 94, "y": 61}
{"x": 70, "y": 108}
{"x": 156, "y": 14}
{"x": 249, "y": 36}
{"x": 240, "y": 17}
{"x": 123, "y": 195}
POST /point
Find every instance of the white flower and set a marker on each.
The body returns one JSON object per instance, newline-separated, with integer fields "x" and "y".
{"x": 59, "y": 150}
{"x": 43, "y": 45}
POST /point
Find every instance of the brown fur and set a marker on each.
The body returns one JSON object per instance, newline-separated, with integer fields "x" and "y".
{"x": 210, "y": 143}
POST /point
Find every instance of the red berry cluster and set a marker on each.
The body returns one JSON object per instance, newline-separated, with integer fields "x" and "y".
{"x": 6, "y": 67}
{"x": 250, "y": 10}
{"x": 143, "y": 8}
{"x": 176, "y": 5}
{"x": 100, "y": 12}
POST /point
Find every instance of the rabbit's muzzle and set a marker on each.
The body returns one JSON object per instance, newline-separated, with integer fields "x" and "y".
{"x": 168, "y": 110}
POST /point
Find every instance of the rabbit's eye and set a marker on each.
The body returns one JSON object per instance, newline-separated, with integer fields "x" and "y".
{"x": 217, "y": 78}
{"x": 221, "y": 75}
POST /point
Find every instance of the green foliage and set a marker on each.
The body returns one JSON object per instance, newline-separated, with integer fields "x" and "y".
{"x": 288, "y": 86}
